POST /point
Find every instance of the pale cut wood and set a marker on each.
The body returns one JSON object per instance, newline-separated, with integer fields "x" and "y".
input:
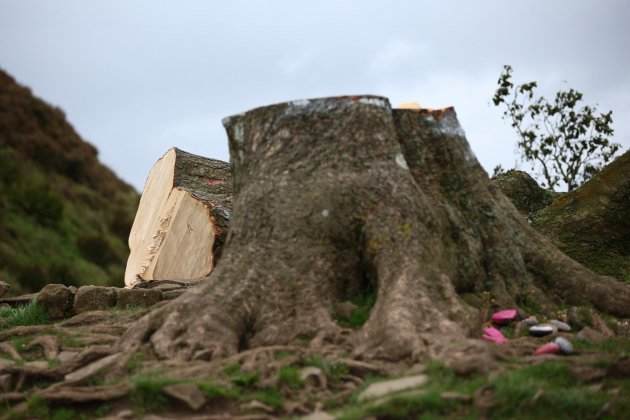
{"x": 182, "y": 219}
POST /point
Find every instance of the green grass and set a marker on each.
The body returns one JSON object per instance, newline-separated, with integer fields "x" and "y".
{"x": 31, "y": 314}
{"x": 38, "y": 408}
{"x": 269, "y": 396}
{"x": 241, "y": 378}
{"x": 147, "y": 392}
{"x": 364, "y": 303}
{"x": 333, "y": 371}
{"x": 290, "y": 376}
{"x": 546, "y": 390}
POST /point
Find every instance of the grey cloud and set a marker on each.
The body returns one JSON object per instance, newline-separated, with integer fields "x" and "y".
{"x": 138, "y": 77}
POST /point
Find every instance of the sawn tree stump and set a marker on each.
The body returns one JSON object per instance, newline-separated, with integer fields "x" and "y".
{"x": 341, "y": 196}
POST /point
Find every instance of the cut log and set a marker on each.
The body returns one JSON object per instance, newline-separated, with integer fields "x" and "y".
{"x": 182, "y": 219}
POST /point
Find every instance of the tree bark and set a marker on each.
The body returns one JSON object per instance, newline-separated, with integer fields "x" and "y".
{"x": 182, "y": 219}
{"x": 338, "y": 196}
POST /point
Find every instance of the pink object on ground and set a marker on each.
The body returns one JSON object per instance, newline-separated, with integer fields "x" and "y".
{"x": 504, "y": 317}
{"x": 549, "y": 348}
{"x": 494, "y": 335}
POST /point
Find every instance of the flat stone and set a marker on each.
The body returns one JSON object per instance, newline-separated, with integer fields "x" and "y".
{"x": 530, "y": 321}
{"x": 313, "y": 374}
{"x": 561, "y": 326}
{"x": 4, "y": 288}
{"x": 90, "y": 298}
{"x": 56, "y": 300}
{"x": 504, "y": 317}
{"x": 137, "y": 297}
{"x": 92, "y": 369}
{"x": 189, "y": 394}
{"x": 565, "y": 345}
{"x": 381, "y": 389}
{"x": 542, "y": 329}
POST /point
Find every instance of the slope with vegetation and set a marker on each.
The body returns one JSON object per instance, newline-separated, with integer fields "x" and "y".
{"x": 64, "y": 216}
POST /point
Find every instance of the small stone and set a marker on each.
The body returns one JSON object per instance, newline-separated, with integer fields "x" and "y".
{"x": 189, "y": 394}
{"x": 561, "y": 326}
{"x": 542, "y": 330}
{"x": 313, "y": 374}
{"x": 4, "y": 288}
{"x": 381, "y": 389}
{"x": 56, "y": 300}
{"x": 565, "y": 345}
{"x": 91, "y": 298}
{"x": 548, "y": 348}
{"x": 504, "y": 317}
{"x": 530, "y": 321}
{"x": 493, "y": 335}
{"x": 137, "y": 297}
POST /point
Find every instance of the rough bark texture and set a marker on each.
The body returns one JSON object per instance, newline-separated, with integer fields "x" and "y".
{"x": 524, "y": 192}
{"x": 338, "y": 196}
{"x": 592, "y": 223}
{"x": 182, "y": 219}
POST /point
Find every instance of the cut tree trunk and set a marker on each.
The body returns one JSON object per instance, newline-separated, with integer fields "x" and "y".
{"x": 182, "y": 219}
{"x": 338, "y": 197}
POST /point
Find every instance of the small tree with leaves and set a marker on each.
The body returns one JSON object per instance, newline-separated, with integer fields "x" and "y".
{"x": 563, "y": 142}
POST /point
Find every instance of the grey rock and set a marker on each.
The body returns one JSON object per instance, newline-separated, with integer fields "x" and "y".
{"x": 90, "y": 298}
{"x": 541, "y": 330}
{"x": 137, "y": 297}
{"x": 561, "y": 326}
{"x": 189, "y": 394}
{"x": 381, "y": 389}
{"x": 4, "y": 288}
{"x": 56, "y": 300}
{"x": 530, "y": 321}
{"x": 565, "y": 345}
{"x": 313, "y": 374}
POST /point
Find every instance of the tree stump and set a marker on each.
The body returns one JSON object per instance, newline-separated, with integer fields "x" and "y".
{"x": 182, "y": 219}
{"x": 337, "y": 197}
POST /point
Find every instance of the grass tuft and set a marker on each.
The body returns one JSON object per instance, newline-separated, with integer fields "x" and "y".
{"x": 31, "y": 314}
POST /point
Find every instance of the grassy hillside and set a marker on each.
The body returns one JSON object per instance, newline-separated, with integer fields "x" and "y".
{"x": 64, "y": 216}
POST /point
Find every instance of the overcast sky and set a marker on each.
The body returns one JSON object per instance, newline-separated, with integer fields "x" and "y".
{"x": 137, "y": 77}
